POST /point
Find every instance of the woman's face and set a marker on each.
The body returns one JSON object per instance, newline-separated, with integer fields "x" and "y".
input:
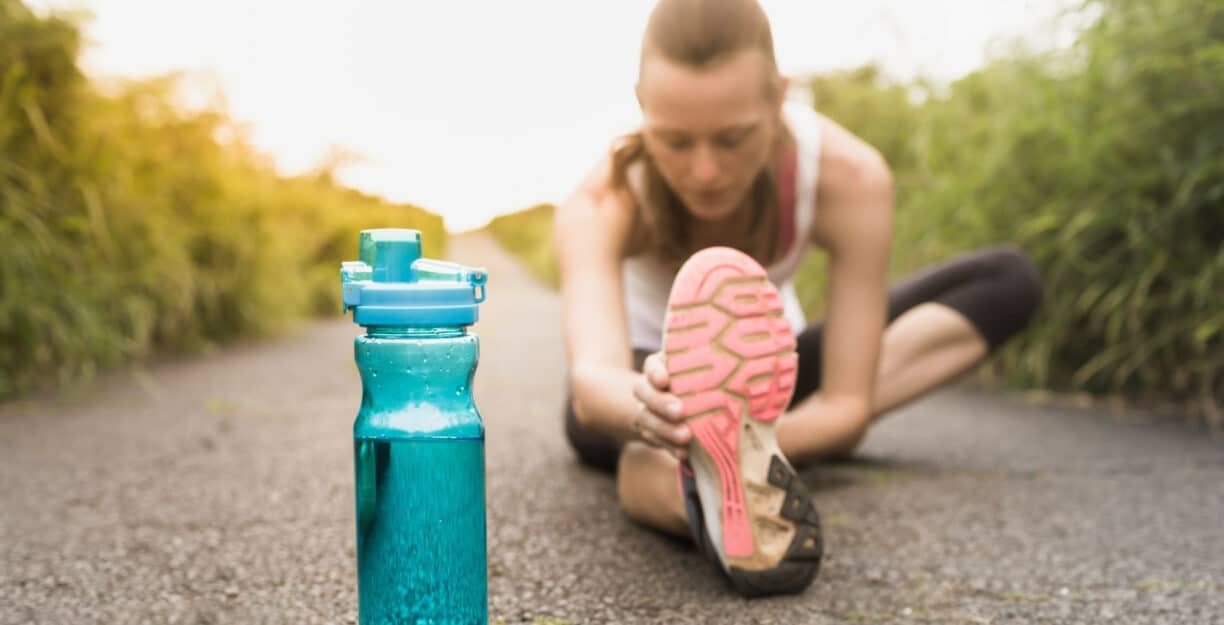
{"x": 710, "y": 130}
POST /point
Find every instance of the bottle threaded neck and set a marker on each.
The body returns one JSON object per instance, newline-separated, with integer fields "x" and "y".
{"x": 415, "y": 332}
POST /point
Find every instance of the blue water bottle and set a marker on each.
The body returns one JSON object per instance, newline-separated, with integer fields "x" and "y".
{"x": 418, "y": 441}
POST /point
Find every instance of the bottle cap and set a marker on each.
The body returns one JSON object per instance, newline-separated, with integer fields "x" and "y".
{"x": 393, "y": 286}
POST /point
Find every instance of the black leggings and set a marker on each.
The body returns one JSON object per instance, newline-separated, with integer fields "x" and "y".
{"x": 997, "y": 289}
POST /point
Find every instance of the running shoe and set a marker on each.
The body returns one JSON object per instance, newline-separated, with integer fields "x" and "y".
{"x": 731, "y": 357}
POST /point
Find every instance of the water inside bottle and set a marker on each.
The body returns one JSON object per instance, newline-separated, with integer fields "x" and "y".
{"x": 420, "y": 503}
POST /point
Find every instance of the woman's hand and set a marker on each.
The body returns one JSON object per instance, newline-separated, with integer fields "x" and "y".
{"x": 658, "y": 419}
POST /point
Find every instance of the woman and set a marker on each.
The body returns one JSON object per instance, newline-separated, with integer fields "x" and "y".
{"x": 722, "y": 161}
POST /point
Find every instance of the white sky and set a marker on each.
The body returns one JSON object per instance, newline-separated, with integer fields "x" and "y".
{"x": 472, "y": 108}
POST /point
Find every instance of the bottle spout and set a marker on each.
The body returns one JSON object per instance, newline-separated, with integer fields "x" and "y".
{"x": 442, "y": 271}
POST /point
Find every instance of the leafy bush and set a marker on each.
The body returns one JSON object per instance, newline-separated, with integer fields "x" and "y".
{"x": 1106, "y": 163}
{"x": 528, "y": 235}
{"x": 130, "y": 225}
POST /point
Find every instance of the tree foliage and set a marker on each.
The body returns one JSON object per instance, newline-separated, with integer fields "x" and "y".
{"x": 131, "y": 225}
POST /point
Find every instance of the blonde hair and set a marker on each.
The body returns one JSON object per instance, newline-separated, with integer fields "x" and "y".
{"x": 698, "y": 34}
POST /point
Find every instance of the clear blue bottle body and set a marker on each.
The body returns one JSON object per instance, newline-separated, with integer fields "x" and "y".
{"x": 418, "y": 445}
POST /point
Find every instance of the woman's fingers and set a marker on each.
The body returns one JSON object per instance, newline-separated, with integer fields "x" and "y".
{"x": 655, "y": 370}
{"x": 676, "y": 434}
{"x": 660, "y": 420}
{"x": 661, "y": 403}
{"x": 661, "y": 434}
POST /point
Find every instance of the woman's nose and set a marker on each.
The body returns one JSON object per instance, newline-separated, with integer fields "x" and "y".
{"x": 705, "y": 167}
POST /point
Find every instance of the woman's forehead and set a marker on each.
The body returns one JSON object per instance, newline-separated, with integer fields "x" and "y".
{"x": 727, "y": 94}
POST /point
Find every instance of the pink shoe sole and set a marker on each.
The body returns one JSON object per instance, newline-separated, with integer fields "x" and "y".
{"x": 731, "y": 357}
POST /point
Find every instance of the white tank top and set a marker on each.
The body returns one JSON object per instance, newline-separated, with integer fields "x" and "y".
{"x": 647, "y": 282}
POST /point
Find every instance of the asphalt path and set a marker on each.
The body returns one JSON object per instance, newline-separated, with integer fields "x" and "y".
{"x": 218, "y": 489}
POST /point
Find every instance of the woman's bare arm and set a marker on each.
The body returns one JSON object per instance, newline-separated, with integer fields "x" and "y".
{"x": 854, "y": 224}
{"x": 590, "y": 233}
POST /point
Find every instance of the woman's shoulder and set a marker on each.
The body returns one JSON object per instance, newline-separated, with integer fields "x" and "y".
{"x": 601, "y": 188}
{"x": 855, "y": 187}
{"x": 845, "y": 158}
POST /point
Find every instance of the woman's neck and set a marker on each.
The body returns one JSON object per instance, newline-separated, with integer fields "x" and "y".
{"x": 726, "y": 231}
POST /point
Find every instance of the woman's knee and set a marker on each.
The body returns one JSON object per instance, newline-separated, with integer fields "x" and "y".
{"x": 1023, "y": 280}
{"x": 1006, "y": 293}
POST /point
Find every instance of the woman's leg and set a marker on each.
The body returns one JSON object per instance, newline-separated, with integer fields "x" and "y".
{"x": 941, "y": 322}
{"x": 648, "y": 487}
{"x": 924, "y": 348}
{"x": 646, "y": 479}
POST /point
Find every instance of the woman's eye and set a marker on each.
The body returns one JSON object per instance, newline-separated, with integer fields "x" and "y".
{"x": 679, "y": 146}
{"x": 731, "y": 141}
